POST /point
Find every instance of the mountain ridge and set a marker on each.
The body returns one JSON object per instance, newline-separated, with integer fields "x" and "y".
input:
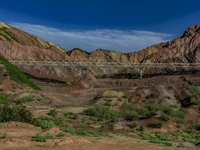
{"x": 23, "y": 46}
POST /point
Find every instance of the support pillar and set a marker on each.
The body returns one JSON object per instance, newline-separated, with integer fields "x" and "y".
{"x": 80, "y": 71}
{"x": 141, "y": 70}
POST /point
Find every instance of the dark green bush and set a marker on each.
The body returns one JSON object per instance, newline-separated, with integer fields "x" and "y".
{"x": 4, "y": 98}
{"x": 69, "y": 129}
{"x": 133, "y": 124}
{"x": 23, "y": 100}
{"x": 47, "y": 124}
{"x": 178, "y": 116}
{"x": 100, "y": 76}
{"x": 152, "y": 109}
{"x": 130, "y": 115}
{"x": 101, "y": 113}
{"x": 12, "y": 112}
{"x": 71, "y": 115}
{"x": 166, "y": 109}
{"x": 152, "y": 95}
{"x": 53, "y": 112}
{"x": 194, "y": 94}
{"x": 40, "y": 137}
{"x": 164, "y": 117}
{"x": 157, "y": 124}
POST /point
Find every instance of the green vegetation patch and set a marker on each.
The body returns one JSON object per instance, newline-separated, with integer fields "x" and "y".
{"x": 17, "y": 75}
{"x": 6, "y": 35}
{"x": 70, "y": 129}
{"x": 71, "y": 115}
{"x": 4, "y": 98}
{"x": 47, "y": 124}
{"x": 102, "y": 113}
{"x": 12, "y": 112}
{"x": 42, "y": 137}
{"x": 194, "y": 95}
{"x": 100, "y": 76}
{"x": 24, "y": 99}
{"x": 157, "y": 138}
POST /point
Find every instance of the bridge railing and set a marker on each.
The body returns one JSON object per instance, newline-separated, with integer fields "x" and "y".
{"x": 129, "y": 64}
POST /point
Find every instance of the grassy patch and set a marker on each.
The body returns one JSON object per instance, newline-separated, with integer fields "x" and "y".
{"x": 17, "y": 75}
{"x": 24, "y": 100}
{"x": 157, "y": 138}
{"x": 53, "y": 112}
{"x": 70, "y": 129}
{"x": 60, "y": 134}
{"x": 47, "y": 124}
{"x": 42, "y": 137}
{"x": 4, "y": 98}
{"x": 4, "y": 135}
{"x": 100, "y": 76}
{"x": 71, "y": 115}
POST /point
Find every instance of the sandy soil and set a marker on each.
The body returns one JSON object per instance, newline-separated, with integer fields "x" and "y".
{"x": 19, "y": 135}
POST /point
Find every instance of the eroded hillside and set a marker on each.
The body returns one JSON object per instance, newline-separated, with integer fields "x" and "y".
{"x": 101, "y": 109}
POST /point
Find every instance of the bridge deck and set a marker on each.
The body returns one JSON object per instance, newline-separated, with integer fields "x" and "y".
{"x": 105, "y": 64}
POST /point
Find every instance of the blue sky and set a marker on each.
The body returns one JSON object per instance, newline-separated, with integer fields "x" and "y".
{"x": 122, "y": 25}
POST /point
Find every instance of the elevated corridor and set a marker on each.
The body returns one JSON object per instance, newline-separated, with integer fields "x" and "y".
{"x": 81, "y": 65}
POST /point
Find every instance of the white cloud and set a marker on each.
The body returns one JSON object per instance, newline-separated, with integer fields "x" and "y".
{"x": 90, "y": 40}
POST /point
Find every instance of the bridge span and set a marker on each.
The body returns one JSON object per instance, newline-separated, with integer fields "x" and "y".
{"x": 128, "y": 65}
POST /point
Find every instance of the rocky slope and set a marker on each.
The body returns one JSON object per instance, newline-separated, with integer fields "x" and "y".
{"x": 17, "y": 44}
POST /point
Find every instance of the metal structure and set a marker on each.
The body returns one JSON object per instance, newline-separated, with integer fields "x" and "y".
{"x": 128, "y": 65}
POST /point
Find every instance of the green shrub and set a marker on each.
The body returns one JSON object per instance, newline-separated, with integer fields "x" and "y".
{"x": 40, "y": 137}
{"x": 4, "y": 135}
{"x": 12, "y": 112}
{"x": 166, "y": 109}
{"x": 168, "y": 97}
{"x": 191, "y": 129}
{"x": 178, "y": 116}
{"x": 58, "y": 120}
{"x": 23, "y": 100}
{"x": 4, "y": 98}
{"x": 69, "y": 129}
{"x": 71, "y": 115}
{"x": 133, "y": 124}
{"x": 170, "y": 87}
{"x": 132, "y": 112}
{"x": 157, "y": 124}
{"x": 47, "y": 124}
{"x": 100, "y": 76}
{"x": 53, "y": 112}
{"x": 60, "y": 134}
{"x": 194, "y": 94}
{"x": 101, "y": 113}
{"x": 130, "y": 115}
{"x": 164, "y": 117}
{"x": 152, "y": 109}
{"x": 163, "y": 136}
{"x": 152, "y": 95}
{"x": 157, "y": 138}
{"x": 88, "y": 133}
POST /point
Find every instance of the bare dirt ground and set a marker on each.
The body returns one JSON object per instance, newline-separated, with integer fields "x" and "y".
{"x": 19, "y": 135}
